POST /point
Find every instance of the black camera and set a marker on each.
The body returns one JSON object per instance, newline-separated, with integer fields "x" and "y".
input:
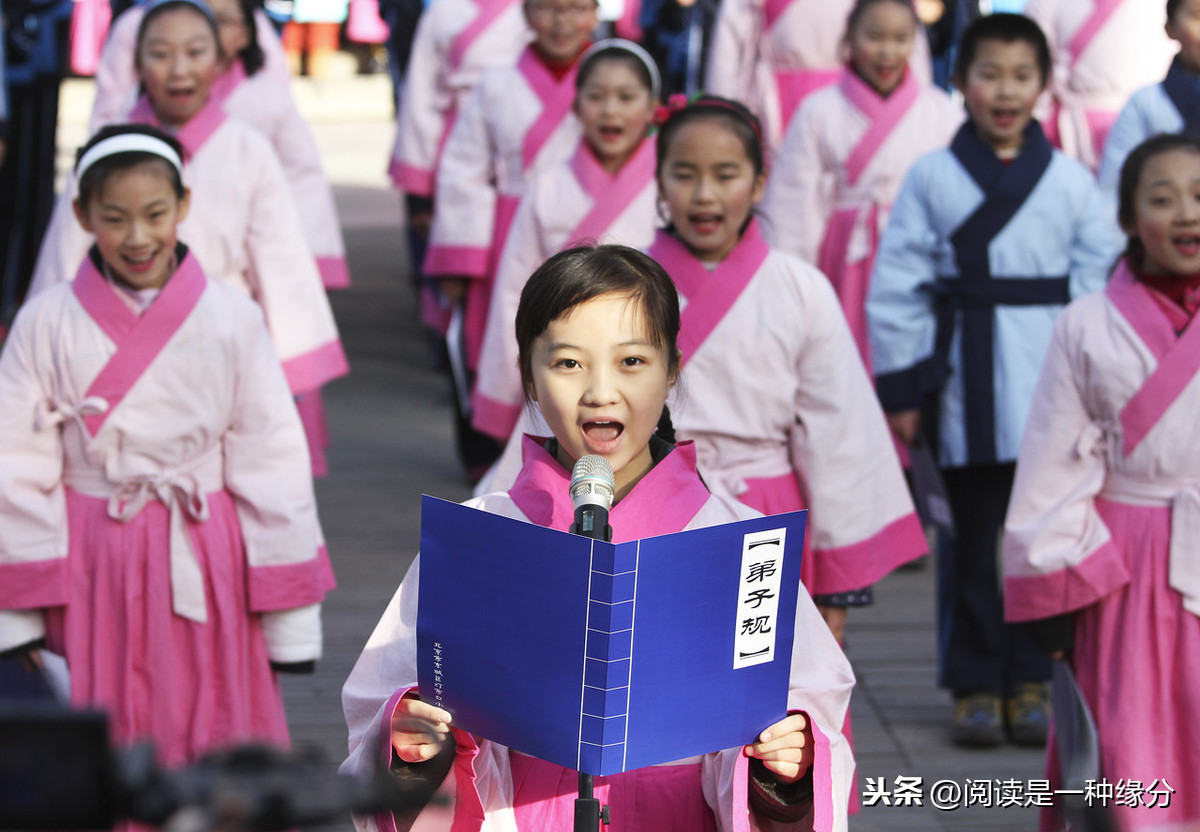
{"x": 59, "y": 771}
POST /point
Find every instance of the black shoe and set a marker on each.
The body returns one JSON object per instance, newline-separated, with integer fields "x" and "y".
{"x": 977, "y": 721}
{"x": 1028, "y": 714}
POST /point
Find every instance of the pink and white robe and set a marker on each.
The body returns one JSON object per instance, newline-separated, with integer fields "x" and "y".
{"x": 517, "y": 121}
{"x": 783, "y": 413}
{"x": 839, "y": 169}
{"x": 1103, "y": 524}
{"x": 244, "y": 230}
{"x": 772, "y": 54}
{"x": 117, "y": 85}
{"x": 576, "y": 201}
{"x": 1103, "y": 51}
{"x": 159, "y": 524}
{"x": 455, "y": 43}
{"x": 488, "y": 778}
{"x": 267, "y": 105}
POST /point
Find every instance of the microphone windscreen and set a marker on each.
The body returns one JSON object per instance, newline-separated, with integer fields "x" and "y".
{"x": 592, "y": 482}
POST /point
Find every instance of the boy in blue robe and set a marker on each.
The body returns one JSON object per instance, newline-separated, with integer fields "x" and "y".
{"x": 987, "y": 241}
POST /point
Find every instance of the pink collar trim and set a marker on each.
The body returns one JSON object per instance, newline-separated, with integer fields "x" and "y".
{"x": 884, "y": 114}
{"x": 192, "y": 135}
{"x": 557, "y": 97}
{"x": 227, "y": 82}
{"x": 1101, "y": 12}
{"x": 139, "y": 340}
{"x": 663, "y": 502}
{"x": 1133, "y": 299}
{"x": 1178, "y": 358}
{"x": 595, "y": 180}
{"x": 488, "y": 11}
{"x": 709, "y": 294}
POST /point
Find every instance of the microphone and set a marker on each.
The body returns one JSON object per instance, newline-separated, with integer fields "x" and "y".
{"x": 592, "y": 491}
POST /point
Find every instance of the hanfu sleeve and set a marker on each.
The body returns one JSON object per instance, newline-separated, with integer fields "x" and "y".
{"x": 300, "y": 158}
{"x": 1058, "y": 555}
{"x": 498, "y": 395}
{"x": 799, "y": 197}
{"x": 385, "y": 670}
{"x": 284, "y": 278}
{"x": 267, "y": 470}
{"x": 33, "y": 513}
{"x": 421, "y": 120}
{"x": 863, "y": 524}
{"x": 460, "y": 240}
{"x": 820, "y": 686}
{"x": 900, "y": 306}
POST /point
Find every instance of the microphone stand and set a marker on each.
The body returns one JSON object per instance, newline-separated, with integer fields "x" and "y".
{"x": 591, "y": 521}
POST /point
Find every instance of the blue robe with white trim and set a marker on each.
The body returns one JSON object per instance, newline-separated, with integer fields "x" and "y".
{"x": 977, "y": 259}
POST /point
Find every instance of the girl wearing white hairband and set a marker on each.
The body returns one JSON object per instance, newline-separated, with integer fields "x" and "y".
{"x": 518, "y": 120}
{"x": 253, "y": 87}
{"x": 157, "y": 520}
{"x": 604, "y": 192}
{"x": 243, "y": 226}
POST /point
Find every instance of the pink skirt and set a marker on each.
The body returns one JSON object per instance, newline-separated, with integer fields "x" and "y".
{"x": 185, "y": 686}
{"x": 662, "y": 798}
{"x": 1136, "y": 661}
{"x": 850, "y": 280}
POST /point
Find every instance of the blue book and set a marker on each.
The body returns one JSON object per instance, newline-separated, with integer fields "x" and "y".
{"x": 606, "y": 657}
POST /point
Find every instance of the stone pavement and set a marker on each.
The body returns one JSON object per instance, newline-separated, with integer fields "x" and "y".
{"x": 392, "y": 442}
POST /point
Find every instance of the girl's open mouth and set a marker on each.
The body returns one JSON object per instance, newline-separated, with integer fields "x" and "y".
{"x": 1187, "y": 244}
{"x": 139, "y": 263}
{"x": 602, "y": 432}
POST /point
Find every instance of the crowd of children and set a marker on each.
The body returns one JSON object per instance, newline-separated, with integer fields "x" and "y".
{"x": 752, "y": 300}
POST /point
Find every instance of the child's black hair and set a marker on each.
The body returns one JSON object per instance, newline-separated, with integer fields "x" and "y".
{"x": 251, "y": 55}
{"x": 1131, "y": 174}
{"x": 93, "y": 179}
{"x": 744, "y": 124}
{"x": 1006, "y": 28}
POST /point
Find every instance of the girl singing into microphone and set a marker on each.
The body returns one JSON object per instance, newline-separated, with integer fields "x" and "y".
{"x": 597, "y": 333}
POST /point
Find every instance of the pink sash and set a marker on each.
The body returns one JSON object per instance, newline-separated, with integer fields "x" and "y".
{"x": 1178, "y": 358}
{"x": 139, "y": 339}
{"x": 883, "y": 113}
{"x": 192, "y": 135}
{"x": 489, "y": 10}
{"x": 1100, "y": 15}
{"x": 611, "y": 195}
{"x": 556, "y": 96}
{"x": 709, "y": 294}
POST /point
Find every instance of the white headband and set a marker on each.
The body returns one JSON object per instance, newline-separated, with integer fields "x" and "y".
{"x": 637, "y": 51}
{"x": 126, "y": 143}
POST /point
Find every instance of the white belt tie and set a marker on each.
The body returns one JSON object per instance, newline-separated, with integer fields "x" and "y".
{"x": 1184, "y": 499}
{"x": 53, "y": 414}
{"x": 182, "y": 491}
